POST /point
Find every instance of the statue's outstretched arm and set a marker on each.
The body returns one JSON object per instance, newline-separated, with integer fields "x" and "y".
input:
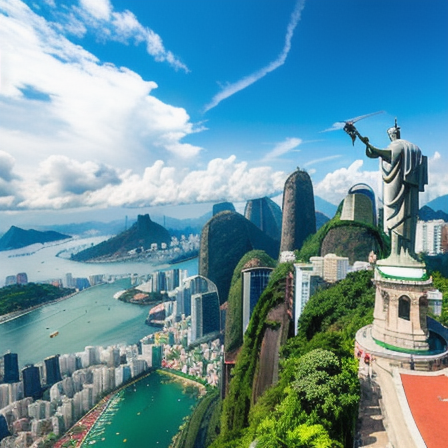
{"x": 371, "y": 151}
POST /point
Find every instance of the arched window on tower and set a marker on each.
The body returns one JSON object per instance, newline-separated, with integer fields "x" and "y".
{"x": 404, "y": 308}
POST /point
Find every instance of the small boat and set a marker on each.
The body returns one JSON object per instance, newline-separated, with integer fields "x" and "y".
{"x": 55, "y": 333}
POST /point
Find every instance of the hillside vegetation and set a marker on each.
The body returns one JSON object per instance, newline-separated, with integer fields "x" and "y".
{"x": 140, "y": 236}
{"x": 346, "y": 238}
{"x": 21, "y": 297}
{"x": 316, "y": 399}
{"x": 16, "y": 238}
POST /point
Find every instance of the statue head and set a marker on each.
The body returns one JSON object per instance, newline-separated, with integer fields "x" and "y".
{"x": 394, "y": 132}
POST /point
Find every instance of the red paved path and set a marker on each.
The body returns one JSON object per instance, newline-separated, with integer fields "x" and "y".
{"x": 428, "y": 399}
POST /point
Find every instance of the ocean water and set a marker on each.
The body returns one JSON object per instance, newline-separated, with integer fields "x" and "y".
{"x": 91, "y": 317}
{"x": 146, "y": 414}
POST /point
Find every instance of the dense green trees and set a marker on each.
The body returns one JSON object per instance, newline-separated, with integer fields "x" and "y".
{"x": 314, "y": 403}
{"x": 441, "y": 283}
{"x": 21, "y": 297}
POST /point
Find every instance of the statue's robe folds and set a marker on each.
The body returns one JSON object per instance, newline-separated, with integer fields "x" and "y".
{"x": 404, "y": 176}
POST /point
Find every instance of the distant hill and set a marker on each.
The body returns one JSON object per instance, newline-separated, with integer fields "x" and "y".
{"x": 325, "y": 207}
{"x": 16, "y": 238}
{"x": 176, "y": 227}
{"x": 321, "y": 219}
{"x": 141, "y": 235}
{"x": 428, "y": 214}
{"x": 440, "y": 203}
{"x": 89, "y": 228}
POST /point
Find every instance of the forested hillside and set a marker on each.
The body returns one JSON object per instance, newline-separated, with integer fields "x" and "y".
{"x": 21, "y": 297}
{"x": 316, "y": 399}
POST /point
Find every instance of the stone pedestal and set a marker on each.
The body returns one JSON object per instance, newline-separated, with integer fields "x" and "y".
{"x": 401, "y": 306}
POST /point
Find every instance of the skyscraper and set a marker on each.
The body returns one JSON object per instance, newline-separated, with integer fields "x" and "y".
{"x": 31, "y": 381}
{"x": 11, "y": 366}
{"x": 255, "y": 281}
{"x": 52, "y": 370}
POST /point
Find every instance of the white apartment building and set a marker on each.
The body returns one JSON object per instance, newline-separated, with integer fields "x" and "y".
{"x": 428, "y": 238}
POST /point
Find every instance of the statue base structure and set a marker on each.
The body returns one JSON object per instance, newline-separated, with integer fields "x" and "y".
{"x": 402, "y": 335}
{"x": 401, "y": 307}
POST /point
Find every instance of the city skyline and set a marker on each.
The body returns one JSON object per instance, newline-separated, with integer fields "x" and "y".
{"x": 108, "y": 104}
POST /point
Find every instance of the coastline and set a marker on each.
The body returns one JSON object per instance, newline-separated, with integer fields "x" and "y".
{"x": 88, "y": 421}
{"x": 15, "y": 314}
{"x": 185, "y": 381}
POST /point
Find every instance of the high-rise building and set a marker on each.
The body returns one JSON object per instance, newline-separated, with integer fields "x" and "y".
{"x": 335, "y": 268}
{"x": 52, "y": 370}
{"x": 331, "y": 267}
{"x": 205, "y": 317}
{"x": 22, "y": 278}
{"x": 11, "y": 368}
{"x": 31, "y": 381}
{"x": 255, "y": 281}
{"x": 307, "y": 281}
{"x": 4, "y": 432}
{"x": 428, "y": 237}
{"x": 10, "y": 280}
{"x": 68, "y": 281}
{"x": 435, "y": 298}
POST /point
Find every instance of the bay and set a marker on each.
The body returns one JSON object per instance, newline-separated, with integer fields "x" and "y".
{"x": 146, "y": 414}
{"x": 91, "y": 317}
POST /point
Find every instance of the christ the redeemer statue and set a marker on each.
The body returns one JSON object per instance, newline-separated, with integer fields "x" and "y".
{"x": 405, "y": 174}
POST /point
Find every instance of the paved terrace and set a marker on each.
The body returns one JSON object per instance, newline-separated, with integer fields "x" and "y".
{"x": 401, "y": 408}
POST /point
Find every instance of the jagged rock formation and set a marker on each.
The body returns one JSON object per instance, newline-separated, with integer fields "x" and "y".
{"x": 352, "y": 241}
{"x": 266, "y": 215}
{"x": 140, "y": 236}
{"x": 299, "y": 219}
{"x": 223, "y": 207}
{"x": 225, "y": 239}
{"x": 15, "y": 238}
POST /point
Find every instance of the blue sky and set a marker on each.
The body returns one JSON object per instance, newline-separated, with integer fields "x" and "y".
{"x": 112, "y": 104}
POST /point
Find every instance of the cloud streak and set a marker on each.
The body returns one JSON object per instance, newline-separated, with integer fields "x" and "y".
{"x": 290, "y": 144}
{"x": 245, "y": 82}
{"x": 100, "y": 18}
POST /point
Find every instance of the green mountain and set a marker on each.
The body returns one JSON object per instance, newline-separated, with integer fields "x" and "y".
{"x": 140, "y": 236}
{"x": 16, "y": 238}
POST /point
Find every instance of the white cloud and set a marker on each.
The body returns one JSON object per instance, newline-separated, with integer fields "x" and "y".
{"x": 100, "y": 18}
{"x": 281, "y": 148}
{"x": 65, "y": 183}
{"x": 93, "y": 110}
{"x": 322, "y": 159}
{"x": 334, "y": 186}
{"x": 438, "y": 179}
{"x": 231, "y": 89}
{"x": 100, "y": 9}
